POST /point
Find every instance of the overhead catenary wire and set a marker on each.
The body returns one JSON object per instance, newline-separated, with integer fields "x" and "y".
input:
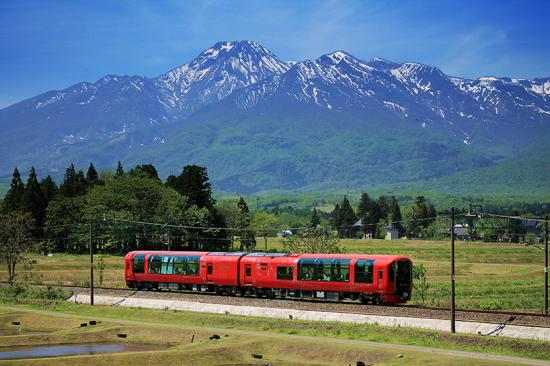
{"x": 514, "y": 217}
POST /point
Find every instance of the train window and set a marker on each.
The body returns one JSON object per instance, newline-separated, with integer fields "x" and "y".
{"x": 167, "y": 265}
{"x": 210, "y": 268}
{"x": 381, "y": 274}
{"x": 193, "y": 266}
{"x": 248, "y": 270}
{"x": 138, "y": 263}
{"x": 285, "y": 273}
{"x": 180, "y": 265}
{"x": 393, "y": 268}
{"x": 364, "y": 270}
{"x": 325, "y": 269}
{"x": 307, "y": 269}
{"x": 340, "y": 270}
{"x": 155, "y": 264}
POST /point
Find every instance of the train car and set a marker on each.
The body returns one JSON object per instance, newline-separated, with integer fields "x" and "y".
{"x": 165, "y": 269}
{"x": 369, "y": 278}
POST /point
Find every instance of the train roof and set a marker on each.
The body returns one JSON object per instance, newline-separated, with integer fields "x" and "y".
{"x": 378, "y": 257}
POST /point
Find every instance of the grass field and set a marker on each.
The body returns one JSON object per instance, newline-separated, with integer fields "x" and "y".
{"x": 489, "y": 276}
{"x": 280, "y": 342}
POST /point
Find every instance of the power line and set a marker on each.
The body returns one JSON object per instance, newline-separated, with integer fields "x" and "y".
{"x": 514, "y": 217}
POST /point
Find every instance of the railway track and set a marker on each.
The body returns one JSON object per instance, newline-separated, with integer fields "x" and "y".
{"x": 469, "y": 315}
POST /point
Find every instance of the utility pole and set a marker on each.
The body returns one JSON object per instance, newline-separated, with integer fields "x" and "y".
{"x": 91, "y": 266}
{"x": 546, "y": 265}
{"x": 453, "y": 270}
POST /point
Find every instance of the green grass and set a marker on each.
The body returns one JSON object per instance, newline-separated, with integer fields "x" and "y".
{"x": 180, "y": 325}
{"x": 489, "y": 275}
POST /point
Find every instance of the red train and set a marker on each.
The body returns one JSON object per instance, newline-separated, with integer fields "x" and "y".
{"x": 370, "y": 278}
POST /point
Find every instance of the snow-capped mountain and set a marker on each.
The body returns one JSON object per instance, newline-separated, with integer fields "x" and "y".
{"x": 413, "y": 91}
{"x": 243, "y": 86}
{"x": 216, "y": 73}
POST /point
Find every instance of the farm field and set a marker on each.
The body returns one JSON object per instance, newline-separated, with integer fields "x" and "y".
{"x": 489, "y": 275}
{"x": 174, "y": 336}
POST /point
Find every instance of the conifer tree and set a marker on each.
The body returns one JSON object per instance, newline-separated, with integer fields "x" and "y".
{"x": 49, "y": 189}
{"x": 335, "y": 217}
{"x": 92, "y": 178}
{"x": 395, "y": 215}
{"x": 14, "y": 199}
{"x": 248, "y": 239}
{"x": 346, "y": 213}
{"x": 74, "y": 184}
{"x": 315, "y": 219}
{"x": 119, "y": 170}
{"x": 33, "y": 201}
{"x": 193, "y": 183}
{"x": 145, "y": 171}
{"x": 364, "y": 206}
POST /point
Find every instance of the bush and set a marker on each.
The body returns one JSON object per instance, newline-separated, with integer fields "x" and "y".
{"x": 19, "y": 291}
{"x": 490, "y": 305}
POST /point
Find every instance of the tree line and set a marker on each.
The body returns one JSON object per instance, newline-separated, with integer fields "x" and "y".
{"x": 115, "y": 206}
{"x": 373, "y": 217}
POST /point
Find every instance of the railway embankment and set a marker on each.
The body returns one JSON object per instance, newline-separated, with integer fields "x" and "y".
{"x": 484, "y": 328}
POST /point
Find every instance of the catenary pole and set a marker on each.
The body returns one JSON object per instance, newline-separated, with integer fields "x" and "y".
{"x": 546, "y": 265}
{"x": 91, "y": 266}
{"x": 453, "y": 270}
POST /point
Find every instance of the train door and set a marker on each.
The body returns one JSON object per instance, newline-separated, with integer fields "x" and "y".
{"x": 381, "y": 278}
{"x": 247, "y": 273}
{"x": 209, "y": 271}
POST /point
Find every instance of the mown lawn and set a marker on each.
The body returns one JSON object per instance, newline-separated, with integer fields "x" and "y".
{"x": 489, "y": 275}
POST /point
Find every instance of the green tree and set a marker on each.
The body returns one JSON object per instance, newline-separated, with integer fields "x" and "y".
{"x": 145, "y": 171}
{"x": 119, "y": 170}
{"x": 315, "y": 219}
{"x": 381, "y": 229}
{"x": 63, "y": 224}
{"x": 229, "y": 210}
{"x": 420, "y": 281}
{"x": 15, "y": 240}
{"x": 485, "y": 228}
{"x": 74, "y": 183}
{"x": 346, "y": 213}
{"x": 34, "y": 201}
{"x": 92, "y": 178}
{"x": 246, "y": 235}
{"x": 106, "y": 175}
{"x": 422, "y": 215}
{"x": 49, "y": 189}
{"x": 383, "y": 208}
{"x": 15, "y": 197}
{"x": 193, "y": 183}
{"x": 515, "y": 228}
{"x": 368, "y": 210}
{"x": 395, "y": 216}
{"x": 335, "y": 217}
{"x": 264, "y": 223}
{"x": 312, "y": 240}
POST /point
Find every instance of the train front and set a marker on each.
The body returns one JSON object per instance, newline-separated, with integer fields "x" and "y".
{"x": 403, "y": 279}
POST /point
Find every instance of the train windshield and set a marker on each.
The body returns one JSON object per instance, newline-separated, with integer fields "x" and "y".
{"x": 403, "y": 275}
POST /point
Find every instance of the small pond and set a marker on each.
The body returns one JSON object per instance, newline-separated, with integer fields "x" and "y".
{"x": 71, "y": 350}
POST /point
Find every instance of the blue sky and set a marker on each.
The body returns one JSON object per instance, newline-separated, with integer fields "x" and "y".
{"x": 47, "y": 45}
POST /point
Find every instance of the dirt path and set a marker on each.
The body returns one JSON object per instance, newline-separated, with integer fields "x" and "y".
{"x": 397, "y": 347}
